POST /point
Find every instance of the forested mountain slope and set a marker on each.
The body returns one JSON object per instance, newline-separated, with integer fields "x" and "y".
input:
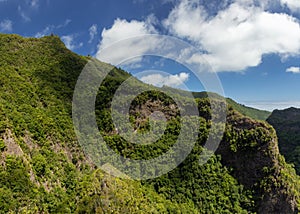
{"x": 245, "y": 110}
{"x": 287, "y": 125}
{"x": 44, "y": 169}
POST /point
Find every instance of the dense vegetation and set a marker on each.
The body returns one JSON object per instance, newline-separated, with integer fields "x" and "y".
{"x": 245, "y": 110}
{"x": 287, "y": 125}
{"x": 44, "y": 170}
{"x": 248, "y": 111}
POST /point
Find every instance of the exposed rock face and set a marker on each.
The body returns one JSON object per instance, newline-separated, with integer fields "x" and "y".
{"x": 12, "y": 147}
{"x": 254, "y": 156}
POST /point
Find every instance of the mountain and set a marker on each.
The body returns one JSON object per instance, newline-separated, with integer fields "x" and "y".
{"x": 287, "y": 125}
{"x": 249, "y": 111}
{"x": 44, "y": 168}
{"x": 245, "y": 110}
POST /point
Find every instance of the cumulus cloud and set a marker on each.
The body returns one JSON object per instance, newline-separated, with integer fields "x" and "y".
{"x": 293, "y": 5}
{"x": 293, "y": 69}
{"x": 185, "y": 19}
{"x": 6, "y": 25}
{"x": 167, "y": 80}
{"x": 69, "y": 42}
{"x": 238, "y": 36}
{"x": 92, "y": 32}
{"x": 234, "y": 38}
{"x": 121, "y": 30}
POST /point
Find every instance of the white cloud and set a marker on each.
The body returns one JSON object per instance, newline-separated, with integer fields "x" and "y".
{"x": 293, "y": 5}
{"x": 93, "y": 32}
{"x": 66, "y": 23}
{"x": 122, "y": 30}
{"x": 44, "y": 32}
{"x": 50, "y": 28}
{"x": 26, "y": 9}
{"x": 264, "y": 4}
{"x": 24, "y": 16}
{"x": 167, "y": 80}
{"x": 185, "y": 19}
{"x": 34, "y": 3}
{"x": 69, "y": 42}
{"x": 293, "y": 69}
{"x": 6, "y": 25}
{"x": 238, "y": 36}
{"x": 233, "y": 39}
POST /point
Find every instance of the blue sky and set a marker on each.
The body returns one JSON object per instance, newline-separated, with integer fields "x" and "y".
{"x": 253, "y": 46}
